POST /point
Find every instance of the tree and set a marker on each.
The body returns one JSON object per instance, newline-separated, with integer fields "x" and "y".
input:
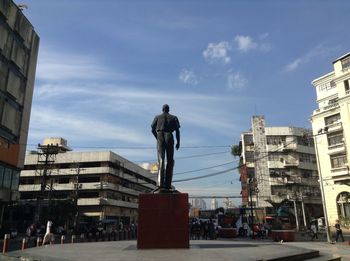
{"x": 236, "y": 150}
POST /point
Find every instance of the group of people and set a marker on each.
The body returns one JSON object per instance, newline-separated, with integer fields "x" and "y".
{"x": 257, "y": 231}
{"x": 200, "y": 229}
{"x": 338, "y": 231}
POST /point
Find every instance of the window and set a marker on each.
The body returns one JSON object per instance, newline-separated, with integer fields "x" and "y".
{"x": 343, "y": 204}
{"x": 345, "y": 63}
{"x": 275, "y": 140}
{"x": 19, "y": 56}
{"x": 303, "y": 157}
{"x": 89, "y": 179}
{"x": 326, "y": 86}
{"x": 3, "y": 36}
{"x": 15, "y": 180}
{"x": 15, "y": 87}
{"x": 338, "y": 161}
{"x": 11, "y": 118}
{"x": 335, "y": 138}
{"x": 332, "y": 119}
{"x": 63, "y": 180}
{"x": 3, "y": 75}
{"x": 2, "y": 170}
{"x": 7, "y": 178}
{"x": 346, "y": 85}
{"x": 307, "y": 174}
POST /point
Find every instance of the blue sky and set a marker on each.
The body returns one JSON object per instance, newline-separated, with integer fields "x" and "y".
{"x": 106, "y": 68}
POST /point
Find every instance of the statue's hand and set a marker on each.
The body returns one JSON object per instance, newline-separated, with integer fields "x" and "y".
{"x": 177, "y": 146}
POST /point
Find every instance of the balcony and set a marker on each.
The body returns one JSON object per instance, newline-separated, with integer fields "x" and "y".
{"x": 326, "y": 108}
{"x": 336, "y": 149}
{"x": 289, "y": 146}
{"x": 106, "y": 201}
{"x": 337, "y": 126}
{"x": 342, "y": 171}
{"x": 290, "y": 163}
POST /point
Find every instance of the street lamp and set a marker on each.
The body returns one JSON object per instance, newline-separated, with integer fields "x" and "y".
{"x": 321, "y": 132}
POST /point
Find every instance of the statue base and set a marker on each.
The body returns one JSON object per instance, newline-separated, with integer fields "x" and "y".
{"x": 163, "y": 221}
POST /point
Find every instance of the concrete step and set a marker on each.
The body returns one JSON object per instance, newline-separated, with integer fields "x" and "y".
{"x": 326, "y": 258}
{"x": 305, "y": 255}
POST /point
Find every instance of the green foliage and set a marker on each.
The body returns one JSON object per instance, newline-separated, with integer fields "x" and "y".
{"x": 236, "y": 150}
{"x": 345, "y": 221}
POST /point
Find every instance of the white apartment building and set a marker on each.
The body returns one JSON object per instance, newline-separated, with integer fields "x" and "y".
{"x": 103, "y": 184}
{"x": 278, "y": 164}
{"x": 331, "y": 130}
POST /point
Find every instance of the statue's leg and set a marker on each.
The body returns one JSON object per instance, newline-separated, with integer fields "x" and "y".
{"x": 170, "y": 160}
{"x": 169, "y": 173}
{"x": 161, "y": 160}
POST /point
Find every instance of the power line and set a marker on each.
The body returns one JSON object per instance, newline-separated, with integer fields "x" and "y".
{"x": 196, "y": 170}
{"x": 138, "y": 147}
{"x": 206, "y": 176}
{"x": 187, "y": 157}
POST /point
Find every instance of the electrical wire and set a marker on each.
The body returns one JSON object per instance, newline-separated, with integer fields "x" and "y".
{"x": 196, "y": 170}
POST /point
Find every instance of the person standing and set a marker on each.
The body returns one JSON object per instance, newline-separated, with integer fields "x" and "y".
{"x": 338, "y": 231}
{"x": 313, "y": 231}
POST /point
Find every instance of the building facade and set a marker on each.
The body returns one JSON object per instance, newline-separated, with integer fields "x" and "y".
{"x": 18, "y": 57}
{"x": 278, "y": 164}
{"x": 331, "y": 130}
{"x": 103, "y": 185}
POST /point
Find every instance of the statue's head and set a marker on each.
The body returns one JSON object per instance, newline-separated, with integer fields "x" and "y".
{"x": 165, "y": 108}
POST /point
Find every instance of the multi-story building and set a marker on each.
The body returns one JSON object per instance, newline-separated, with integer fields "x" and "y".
{"x": 278, "y": 165}
{"x": 331, "y": 129}
{"x": 103, "y": 185}
{"x": 18, "y": 57}
{"x": 214, "y": 204}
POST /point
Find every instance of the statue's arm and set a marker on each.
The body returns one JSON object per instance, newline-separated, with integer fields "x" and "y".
{"x": 177, "y": 133}
{"x": 154, "y": 126}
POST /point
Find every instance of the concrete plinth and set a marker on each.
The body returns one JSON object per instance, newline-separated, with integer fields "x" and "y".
{"x": 285, "y": 235}
{"x": 163, "y": 221}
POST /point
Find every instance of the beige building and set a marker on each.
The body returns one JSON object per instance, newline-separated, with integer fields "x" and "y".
{"x": 278, "y": 164}
{"x": 331, "y": 129}
{"x": 103, "y": 184}
{"x": 18, "y": 57}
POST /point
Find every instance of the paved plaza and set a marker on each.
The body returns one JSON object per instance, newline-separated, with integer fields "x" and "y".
{"x": 200, "y": 250}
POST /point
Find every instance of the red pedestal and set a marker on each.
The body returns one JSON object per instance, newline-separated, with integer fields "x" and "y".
{"x": 163, "y": 221}
{"x": 285, "y": 235}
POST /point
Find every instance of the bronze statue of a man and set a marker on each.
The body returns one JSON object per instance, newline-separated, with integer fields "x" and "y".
{"x": 163, "y": 127}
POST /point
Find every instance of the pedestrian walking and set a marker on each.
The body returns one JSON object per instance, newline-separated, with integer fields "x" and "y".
{"x": 313, "y": 231}
{"x": 338, "y": 231}
{"x": 48, "y": 237}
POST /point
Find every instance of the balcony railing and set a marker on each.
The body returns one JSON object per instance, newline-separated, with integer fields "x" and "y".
{"x": 341, "y": 171}
{"x": 338, "y": 148}
{"x": 328, "y": 107}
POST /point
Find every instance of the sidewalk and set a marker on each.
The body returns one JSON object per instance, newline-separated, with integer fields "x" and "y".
{"x": 200, "y": 250}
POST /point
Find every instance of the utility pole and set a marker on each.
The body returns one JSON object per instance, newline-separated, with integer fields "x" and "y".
{"x": 77, "y": 169}
{"x": 46, "y": 158}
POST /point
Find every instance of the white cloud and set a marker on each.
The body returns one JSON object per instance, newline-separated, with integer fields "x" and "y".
{"x": 295, "y": 64}
{"x": 245, "y": 43}
{"x": 318, "y": 51}
{"x": 236, "y": 80}
{"x": 57, "y": 66}
{"x": 218, "y": 52}
{"x": 55, "y": 122}
{"x": 188, "y": 77}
